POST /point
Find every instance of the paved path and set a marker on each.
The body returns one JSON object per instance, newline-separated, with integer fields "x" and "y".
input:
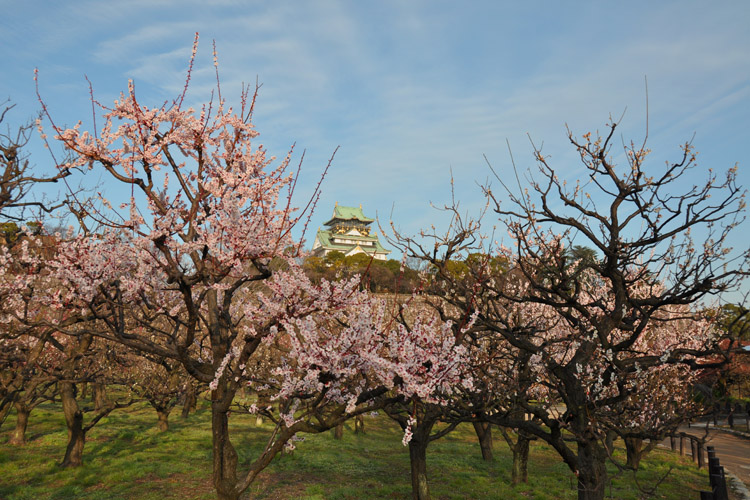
{"x": 732, "y": 451}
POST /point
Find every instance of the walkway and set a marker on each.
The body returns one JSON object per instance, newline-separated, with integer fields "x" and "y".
{"x": 732, "y": 451}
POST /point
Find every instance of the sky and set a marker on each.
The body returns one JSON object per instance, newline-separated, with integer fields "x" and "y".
{"x": 413, "y": 93}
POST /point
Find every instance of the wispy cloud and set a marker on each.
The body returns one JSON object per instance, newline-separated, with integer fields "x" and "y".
{"x": 414, "y": 90}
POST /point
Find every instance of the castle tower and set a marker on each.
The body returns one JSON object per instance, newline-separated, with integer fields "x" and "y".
{"x": 348, "y": 232}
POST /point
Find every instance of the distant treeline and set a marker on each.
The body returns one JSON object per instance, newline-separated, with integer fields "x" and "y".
{"x": 377, "y": 275}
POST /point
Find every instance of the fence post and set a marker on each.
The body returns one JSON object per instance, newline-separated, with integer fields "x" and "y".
{"x": 719, "y": 485}
{"x": 717, "y": 479}
{"x": 682, "y": 445}
{"x": 672, "y": 442}
{"x": 694, "y": 449}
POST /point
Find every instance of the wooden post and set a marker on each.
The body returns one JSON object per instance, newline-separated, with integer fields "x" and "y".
{"x": 701, "y": 458}
{"x": 672, "y": 443}
{"x": 694, "y": 449}
{"x": 682, "y": 445}
{"x": 719, "y": 485}
{"x": 713, "y": 465}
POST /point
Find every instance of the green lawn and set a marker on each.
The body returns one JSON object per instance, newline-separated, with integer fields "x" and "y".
{"x": 126, "y": 458}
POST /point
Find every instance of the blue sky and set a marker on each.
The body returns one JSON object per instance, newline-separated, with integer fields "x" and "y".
{"x": 410, "y": 90}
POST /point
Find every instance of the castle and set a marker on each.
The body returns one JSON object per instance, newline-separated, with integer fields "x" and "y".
{"x": 348, "y": 232}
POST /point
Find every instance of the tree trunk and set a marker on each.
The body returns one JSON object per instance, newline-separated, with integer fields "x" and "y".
{"x": 359, "y": 424}
{"x": 484, "y": 434}
{"x": 74, "y": 421}
{"x": 163, "y": 419}
{"x": 190, "y": 400}
{"x": 520, "y": 470}
{"x": 418, "y": 458}
{"x": 338, "y": 431}
{"x": 4, "y": 411}
{"x": 609, "y": 441}
{"x": 224, "y": 454}
{"x": 592, "y": 473}
{"x": 633, "y": 447}
{"x": 22, "y": 420}
{"x": 520, "y": 450}
{"x": 99, "y": 394}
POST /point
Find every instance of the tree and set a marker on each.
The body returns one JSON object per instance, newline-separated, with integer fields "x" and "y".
{"x": 644, "y": 231}
{"x": 32, "y": 320}
{"x": 465, "y": 278}
{"x": 16, "y": 181}
{"x": 375, "y": 275}
{"x": 664, "y": 400}
{"x": 210, "y": 235}
{"x": 23, "y": 383}
{"x": 29, "y": 355}
{"x": 595, "y": 343}
{"x": 86, "y": 359}
{"x": 199, "y": 266}
{"x": 418, "y": 411}
{"x": 735, "y": 319}
{"x": 160, "y": 382}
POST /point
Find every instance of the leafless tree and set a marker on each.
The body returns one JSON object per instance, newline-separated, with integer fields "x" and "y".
{"x": 662, "y": 239}
{"x": 16, "y": 177}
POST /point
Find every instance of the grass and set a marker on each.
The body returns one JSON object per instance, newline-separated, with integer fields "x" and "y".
{"x": 126, "y": 458}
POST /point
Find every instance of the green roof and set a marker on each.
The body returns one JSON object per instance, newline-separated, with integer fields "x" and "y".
{"x": 325, "y": 241}
{"x": 348, "y": 213}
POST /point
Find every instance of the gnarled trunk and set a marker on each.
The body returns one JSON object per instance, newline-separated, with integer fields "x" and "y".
{"x": 636, "y": 450}
{"x": 190, "y": 400}
{"x": 22, "y": 420}
{"x": 520, "y": 470}
{"x": 162, "y": 412}
{"x": 484, "y": 434}
{"x": 418, "y": 459}
{"x": 520, "y": 450}
{"x": 224, "y": 454}
{"x": 359, "y": 424}
{"x": 5, "y": 408}
{"x": 633, "y": 447}
{"x": 74, "y": 421}
{"x": 592, "y": 473}
{"x": 163, "y": 415}
{"x": 609, "y": 441}
{"x": 99, "y": 394}
{"x": 338, "y": 431}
